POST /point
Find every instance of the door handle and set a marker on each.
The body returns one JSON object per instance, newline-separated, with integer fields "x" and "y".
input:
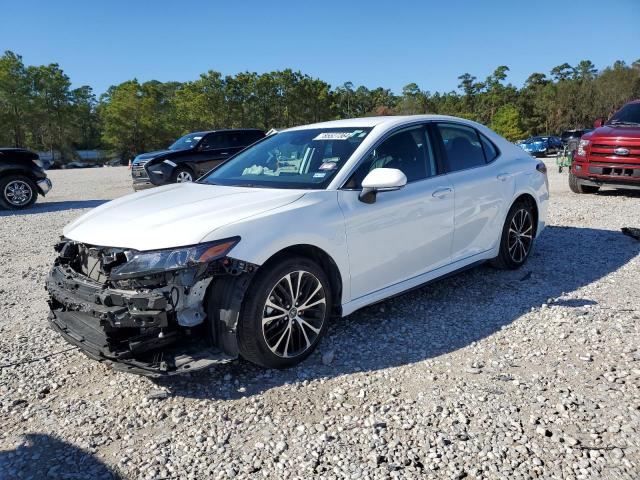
{"x": 441, "y": 192}
{"x": 224, "y": 153}
{"x": 503, "y": 177}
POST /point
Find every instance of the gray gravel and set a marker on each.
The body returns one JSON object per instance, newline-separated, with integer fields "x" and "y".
{"x": 489, "y": 374}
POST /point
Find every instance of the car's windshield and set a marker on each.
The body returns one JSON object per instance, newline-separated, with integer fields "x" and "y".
{"x": 306, "y": 158}
{"x": 535, "y": 139}
{"x": 188, "y": 141}
{"x": 566, "y": 135}
{"x": 627, "y": 115}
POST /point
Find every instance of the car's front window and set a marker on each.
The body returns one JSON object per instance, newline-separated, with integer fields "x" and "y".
{"x": 627, "y": 115}
{"x": 307, "y": 158}
{"x": 188, "y": 141}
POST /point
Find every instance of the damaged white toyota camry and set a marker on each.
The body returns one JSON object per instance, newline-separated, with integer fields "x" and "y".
{"x": 313, "y": 222}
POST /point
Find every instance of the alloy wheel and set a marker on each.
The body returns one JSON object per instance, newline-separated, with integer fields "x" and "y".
{"x": 18, "y": 193}
{"x": 520, "y": 235}
{"x": 184, "y": 177}
{"x": 293, "y": 314}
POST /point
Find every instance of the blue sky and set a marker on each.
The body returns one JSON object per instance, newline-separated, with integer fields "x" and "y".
{"x": 374, "y": 43}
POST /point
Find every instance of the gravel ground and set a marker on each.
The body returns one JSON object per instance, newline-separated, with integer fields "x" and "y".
{"x": 489, "y": 374}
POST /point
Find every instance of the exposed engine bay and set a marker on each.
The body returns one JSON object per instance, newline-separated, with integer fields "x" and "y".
{"x": 153, "y": 322}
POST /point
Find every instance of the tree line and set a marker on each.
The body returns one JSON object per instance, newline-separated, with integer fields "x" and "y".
{"x": 40, "y": 110}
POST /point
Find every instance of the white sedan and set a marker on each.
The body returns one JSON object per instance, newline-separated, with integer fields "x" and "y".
{"x": 316, "y": 221}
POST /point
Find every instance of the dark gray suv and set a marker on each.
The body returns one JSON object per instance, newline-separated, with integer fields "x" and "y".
{"x": 190, "y": 157}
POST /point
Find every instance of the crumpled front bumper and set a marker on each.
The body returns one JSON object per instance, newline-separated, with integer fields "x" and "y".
{"x": 129, "y": 330}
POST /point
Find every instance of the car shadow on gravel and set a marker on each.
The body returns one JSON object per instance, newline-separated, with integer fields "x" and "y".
{"x": 48, "y": 207}
{"x": 619, "y": 193}
{"x": 436, "y": 319}
{"x": 45, "y": 456}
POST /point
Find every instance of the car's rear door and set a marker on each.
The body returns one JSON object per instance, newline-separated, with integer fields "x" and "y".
{"x": 406, "y": 232}
{"x": 483, "y": 186}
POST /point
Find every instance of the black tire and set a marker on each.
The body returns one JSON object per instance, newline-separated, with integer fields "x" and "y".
{"x": 576, "y": 185}
{"x": 511, "y": 256}
{"x": 180, "y": 172}
{"x": 8, "y": 186}
{"x": 252, "y": 340}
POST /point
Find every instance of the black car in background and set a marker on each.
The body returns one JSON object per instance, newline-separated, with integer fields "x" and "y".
{"x": 571, "y": 138}
{"x": 190, "y": 157}
{"x": 22, "y": 178}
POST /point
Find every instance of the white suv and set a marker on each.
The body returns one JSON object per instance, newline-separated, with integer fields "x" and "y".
{"x": 256, "y": 256}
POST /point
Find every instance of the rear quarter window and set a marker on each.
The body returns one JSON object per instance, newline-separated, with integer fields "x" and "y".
{"x": 490, "y": 150}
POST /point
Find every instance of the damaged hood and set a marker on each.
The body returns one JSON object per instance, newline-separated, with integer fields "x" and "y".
{"x": 173, "y": 215}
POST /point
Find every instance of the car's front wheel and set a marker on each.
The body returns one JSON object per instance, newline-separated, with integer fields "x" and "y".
{"x": 17, "y": 192}
{"x": 517, "y": 236}
{"x": 285, "y": 313}
{"x": 183, "y": 175}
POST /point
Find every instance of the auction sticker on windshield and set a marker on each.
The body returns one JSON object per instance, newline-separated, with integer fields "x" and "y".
{"x": 328, "y": 166}
{"x": 334, "y": 136}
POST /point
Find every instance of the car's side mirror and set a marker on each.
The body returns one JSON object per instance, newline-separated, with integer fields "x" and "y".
{"x": 598, "y": 123}
{"x": 381, "y": 180}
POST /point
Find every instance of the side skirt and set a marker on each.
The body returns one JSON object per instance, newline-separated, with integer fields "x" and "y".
{"x": 415, "y": 282}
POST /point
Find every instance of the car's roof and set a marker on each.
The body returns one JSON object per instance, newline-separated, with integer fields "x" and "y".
{"x": 204, "y": 132}
{"x": 370, "y": 122}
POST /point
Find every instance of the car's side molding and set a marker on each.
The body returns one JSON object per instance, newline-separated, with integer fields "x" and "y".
{"x": 416, "y": 282}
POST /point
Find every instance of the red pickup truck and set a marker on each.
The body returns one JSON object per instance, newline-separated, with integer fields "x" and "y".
{"x": 610, "y": 154}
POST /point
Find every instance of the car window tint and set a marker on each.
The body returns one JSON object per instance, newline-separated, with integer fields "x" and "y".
{"x": 409, "y": 151}
{"x": 234, "y": 139}
{"x": 210, "y": 141}
{"x": 462, "y": 146}
{"x": 490, "y": 150}
{"x": 251, "y": 137}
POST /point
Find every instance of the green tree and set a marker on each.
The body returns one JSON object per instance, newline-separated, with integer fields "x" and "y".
{"x": 15, "y": 100}
{"x": 51, "y": 120}
{"x": 507, "y": 122}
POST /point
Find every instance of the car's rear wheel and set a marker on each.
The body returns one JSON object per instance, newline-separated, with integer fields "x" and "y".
{"x": 17, "y": 192}
{"x": 576, "y": 185}
{"x": 517, "y": 237}
{"x": 285, "y": 313}
{"x": 183, "y": 175}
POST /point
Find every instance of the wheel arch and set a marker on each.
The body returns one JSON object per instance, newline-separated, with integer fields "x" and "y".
{"x": 527, "y": 197}
{"x": 16, "y": 170}
{"x": 323, "y": 259}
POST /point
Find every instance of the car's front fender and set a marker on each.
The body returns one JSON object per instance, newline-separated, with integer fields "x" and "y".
{"x": 315, "y": 219}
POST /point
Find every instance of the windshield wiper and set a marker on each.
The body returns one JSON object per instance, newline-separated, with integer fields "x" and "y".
{"x": 250, "y": 185}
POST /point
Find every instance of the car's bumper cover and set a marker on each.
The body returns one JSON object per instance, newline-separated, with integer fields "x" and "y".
{"x": 44, "y": 186}
{"x": 80, "y": 330}
{"x": 91, "y": 317}
{"x": 607, "y": 174}
{"x": 142, "y": 185}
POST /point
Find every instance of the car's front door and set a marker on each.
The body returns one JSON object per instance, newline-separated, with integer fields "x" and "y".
{"x": 406, "y": 232}
{"x": 482, "y": 188}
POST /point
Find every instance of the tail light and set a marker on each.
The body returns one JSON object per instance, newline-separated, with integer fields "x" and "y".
{"x": 542, "y": 168}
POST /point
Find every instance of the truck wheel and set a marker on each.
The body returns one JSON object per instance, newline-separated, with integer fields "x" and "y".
{"x": 17, "y": 192}
{"x": 577, "y": 187}
{"x": 183, "y": 174}
{"x": 285, "y": 313}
